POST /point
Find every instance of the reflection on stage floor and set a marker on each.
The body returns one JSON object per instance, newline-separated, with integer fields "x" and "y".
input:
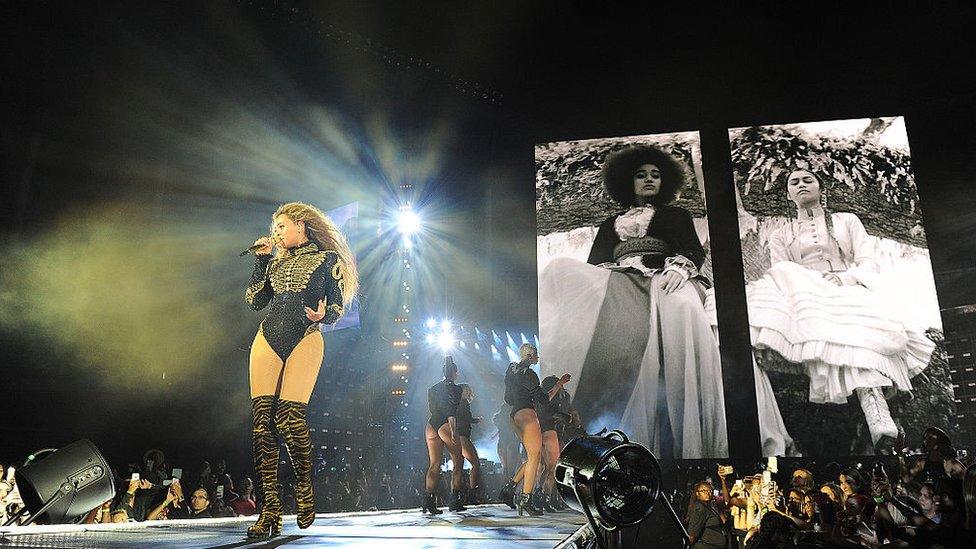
{"x": 484, "y": 526}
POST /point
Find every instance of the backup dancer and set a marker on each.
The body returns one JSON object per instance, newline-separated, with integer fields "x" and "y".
{"x": 524, "y": 394}
{"x": 468, "y": 450}
{"x": 442, "y": 432}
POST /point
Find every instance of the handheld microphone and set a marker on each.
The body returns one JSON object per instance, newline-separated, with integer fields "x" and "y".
{"x": 252, "y": 249}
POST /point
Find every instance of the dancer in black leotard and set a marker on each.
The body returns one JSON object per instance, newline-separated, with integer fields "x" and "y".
{"x": 552, "y": 414}
{"x": 468, "y": 450}
{"x": 523, "y": 392}
{"x": 441, "y": 432}
{"x": 308, "y": 282}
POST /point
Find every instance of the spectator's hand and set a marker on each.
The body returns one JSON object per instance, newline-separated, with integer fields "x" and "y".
{"x": 177, "y": 489}
{"x": 724, "y": 470}
{"x": 172, "y": 496}
{"x": 869, "y": 539}
{"x": 882, "y": 488}
{"x": 318, "y": 314}
{"x": 565, "y": 379}
{"x": 671, "y": 281}
{"x": 105, "y": 509}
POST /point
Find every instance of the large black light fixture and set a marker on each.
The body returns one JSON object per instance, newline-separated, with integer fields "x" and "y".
{"x": 611, "y": 480}
{"x": 65, "y": 485}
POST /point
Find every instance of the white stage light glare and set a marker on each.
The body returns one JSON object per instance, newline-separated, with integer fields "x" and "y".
{"x": 446, "y": 325}
{"x": 431, "y": 323}
{"x": 408, "y": 222}
{"x": 445, "y": 341}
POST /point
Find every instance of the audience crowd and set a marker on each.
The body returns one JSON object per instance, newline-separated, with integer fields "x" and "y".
{"x": 153, "y": 490}
{"x": 924, "y": 498}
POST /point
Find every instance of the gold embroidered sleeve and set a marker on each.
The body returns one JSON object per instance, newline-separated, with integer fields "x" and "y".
{"x": 259, "y": 292}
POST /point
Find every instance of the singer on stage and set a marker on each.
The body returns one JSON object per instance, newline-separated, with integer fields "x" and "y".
{"x": 308, "y": 281}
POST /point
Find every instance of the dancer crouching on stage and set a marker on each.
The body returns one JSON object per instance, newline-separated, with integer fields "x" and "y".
{"x": 442, "y": 431}
{"x": 523, "y": 392}
{"x": 470, "y": 453}
{"x": 309, "y": 281}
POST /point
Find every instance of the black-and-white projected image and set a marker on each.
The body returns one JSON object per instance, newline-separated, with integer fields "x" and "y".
{"x": 623, "y": 273}
{"x": 842, "y": 306}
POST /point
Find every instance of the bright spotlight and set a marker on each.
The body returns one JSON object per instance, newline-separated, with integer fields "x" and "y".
{"x": 408, "y": 222}
{"x": 445, "y": 341}
{"x": 431, "y": 338}
{"x": 446, "y": 325}
{"x": 431, "y": 323}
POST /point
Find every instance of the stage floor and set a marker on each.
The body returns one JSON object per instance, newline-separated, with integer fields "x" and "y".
{"x": 487, "y": 526}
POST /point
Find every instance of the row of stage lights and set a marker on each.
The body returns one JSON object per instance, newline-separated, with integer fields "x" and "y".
{"x": 408, "y": 224}
{"x": 442, "y": 334}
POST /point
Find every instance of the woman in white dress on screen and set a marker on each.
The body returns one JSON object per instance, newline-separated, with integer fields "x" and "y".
{"x": 816, "y": 307}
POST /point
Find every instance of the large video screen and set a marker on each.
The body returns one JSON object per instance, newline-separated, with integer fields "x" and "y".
{"x": 842, "y": 307}
{"x": 623, "y": 274}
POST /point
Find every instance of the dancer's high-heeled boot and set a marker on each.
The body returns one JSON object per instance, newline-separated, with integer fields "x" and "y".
{"x": 524, "y": 504}
{"x": 292, "y": 422}
{"x": 457, "y": 502}
{"x": 265, "y": 448}
{"x": 430, "y": 504}
{"x": 507, "y": 494}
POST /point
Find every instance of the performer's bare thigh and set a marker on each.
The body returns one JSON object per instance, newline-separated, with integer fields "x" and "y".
{"x": 264, "y": 367}
{"x": 302, "y": 368}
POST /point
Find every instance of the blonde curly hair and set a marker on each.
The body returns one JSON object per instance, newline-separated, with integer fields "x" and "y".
{"x": 527, "y": 350}
{"x": 321, "y": 230}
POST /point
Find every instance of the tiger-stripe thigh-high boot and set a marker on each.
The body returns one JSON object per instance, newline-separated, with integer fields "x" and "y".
{"x": 265, "y": 448}
{"x": 291, "y": 419}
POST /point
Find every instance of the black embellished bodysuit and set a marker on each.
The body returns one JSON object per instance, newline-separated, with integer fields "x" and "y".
{"x": 522, "y": 388}
{"x": 442, "y": 400}
{"x": 299, "y": 278}
{"x": 464, "y": 419}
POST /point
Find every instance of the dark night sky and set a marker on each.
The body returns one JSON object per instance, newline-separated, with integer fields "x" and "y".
{"x": 91, "y": 87}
